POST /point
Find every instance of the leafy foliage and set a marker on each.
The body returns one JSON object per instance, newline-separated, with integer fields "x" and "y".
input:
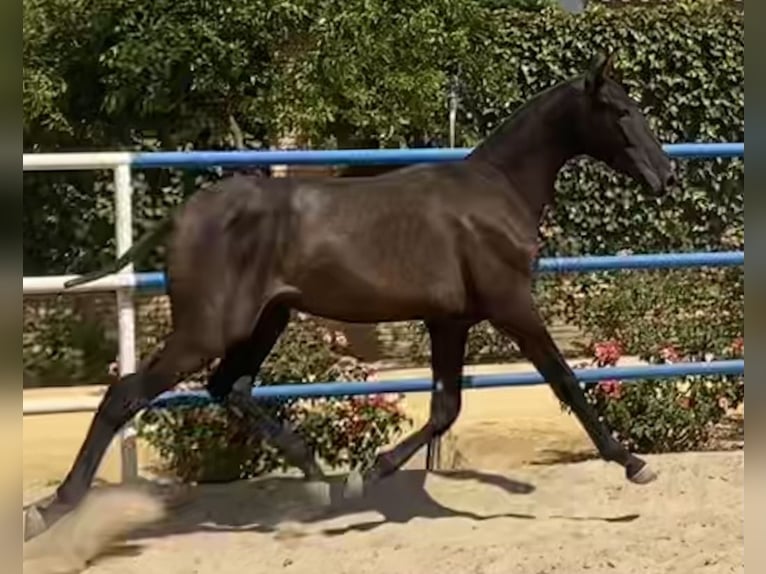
{"x": 173, "y": 75}
{"x": 61, "y": 345}
{"x": 210, "y": 444}
{"x": 651, "y": 416}
{"x": 697, "y": 311}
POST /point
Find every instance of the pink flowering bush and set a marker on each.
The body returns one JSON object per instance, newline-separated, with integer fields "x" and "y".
{"x": 697, "y": 313}
{"x": 664, "y": 316}
{"x": 663, "y": 415}
{"x": 207, "y": 443}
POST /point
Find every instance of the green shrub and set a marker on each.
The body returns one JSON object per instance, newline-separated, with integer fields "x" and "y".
{"x": 662, "y": 316}
{"x": 670, "y": 415}
{"x": 698, "y": 311}
{"x": 411, "y": 344}
{"x": 61, "y": 346}
{"x": 373, "y": 73}
{"x": 209, "y": 443}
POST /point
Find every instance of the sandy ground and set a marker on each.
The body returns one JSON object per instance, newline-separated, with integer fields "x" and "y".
{"x": 579, "y": 517}
{"x": 505, "y": 509}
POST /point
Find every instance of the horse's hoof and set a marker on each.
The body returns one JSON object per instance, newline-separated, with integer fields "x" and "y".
{"x": 643, "y": 475}
{"x": 354, "y": 485}
{"x": 319, "y": 493}
{"x": 34, "y": 523}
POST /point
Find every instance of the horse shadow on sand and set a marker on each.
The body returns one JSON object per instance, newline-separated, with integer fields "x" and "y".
{"x": 268, "y": 505}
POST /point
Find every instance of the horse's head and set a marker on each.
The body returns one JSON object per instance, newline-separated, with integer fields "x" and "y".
{"x": 614, "y": 130}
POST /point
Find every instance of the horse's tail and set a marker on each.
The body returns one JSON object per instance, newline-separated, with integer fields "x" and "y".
{"x": 103, "y": 518}
{"x": 138, "y": 250}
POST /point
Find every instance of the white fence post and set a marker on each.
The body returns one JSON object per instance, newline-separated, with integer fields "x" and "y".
{"x": 126, "y": 315}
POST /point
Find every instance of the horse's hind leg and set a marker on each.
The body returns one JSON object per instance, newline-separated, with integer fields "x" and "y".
{"x": 448, "y": 341}
{"x": 121, "y": 402}
{"x": 245, "y": 360}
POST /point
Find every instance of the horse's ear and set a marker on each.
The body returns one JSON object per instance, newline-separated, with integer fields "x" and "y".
{"x": 599, "y": 69}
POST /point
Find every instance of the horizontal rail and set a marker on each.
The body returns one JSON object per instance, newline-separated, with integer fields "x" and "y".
{"x": 53, "y": 284}
{"x": 120, "y": 160}
{"x": 61, "y": 407}
{"x": 75, "y": 160}
{"x": 384, "y": 386}
{"x": 588, "y": 263}
{"x": 155, "y": 281}
{"x": 190, "y": 159}
{"x": 345, "y": 389}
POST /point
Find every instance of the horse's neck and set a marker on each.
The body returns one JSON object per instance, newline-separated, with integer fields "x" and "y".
{"x": 531, "y": 147}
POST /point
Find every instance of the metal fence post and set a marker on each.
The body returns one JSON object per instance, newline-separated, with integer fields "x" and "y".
{"x": 126, "y": 315}
{"x": 434, "y": 447}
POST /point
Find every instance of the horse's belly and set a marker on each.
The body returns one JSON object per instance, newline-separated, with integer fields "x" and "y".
{"x": 372, "y": 298}
{"x": 390, "y": 265}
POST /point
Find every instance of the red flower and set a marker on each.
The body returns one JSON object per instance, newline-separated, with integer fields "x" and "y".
{"x": 378, "y": 401}
{"x": 607, "y": 353}
{"x": 738, "y": 346}
{"x": 356, "y": 426}
{"x": 685, "y": 402}
{"x": 670, "y": 354}
{"x": 611, "y": 388}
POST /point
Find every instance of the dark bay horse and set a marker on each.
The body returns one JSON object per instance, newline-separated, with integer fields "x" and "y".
{"x": 450, "y": 244}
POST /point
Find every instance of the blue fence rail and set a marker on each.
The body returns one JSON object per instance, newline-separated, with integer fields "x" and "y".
{"x": 356, "y": 388}
{"x": 202, "y": 159}
{"x": 590, "y": 263}
{"x": 198, "y": 159}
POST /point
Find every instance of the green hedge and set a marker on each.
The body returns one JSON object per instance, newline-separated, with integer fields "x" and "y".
{"x": 684, "y": 61}
{"x": 161, "y": 75}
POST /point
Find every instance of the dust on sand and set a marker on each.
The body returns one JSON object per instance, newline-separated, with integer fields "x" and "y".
{"x": 581, "y": 517}
{"x": 104, "y": 518}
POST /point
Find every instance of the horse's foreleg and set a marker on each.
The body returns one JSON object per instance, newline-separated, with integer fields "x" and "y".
{"x": 523, "y": 323}
{"x": 448, "y": 341}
